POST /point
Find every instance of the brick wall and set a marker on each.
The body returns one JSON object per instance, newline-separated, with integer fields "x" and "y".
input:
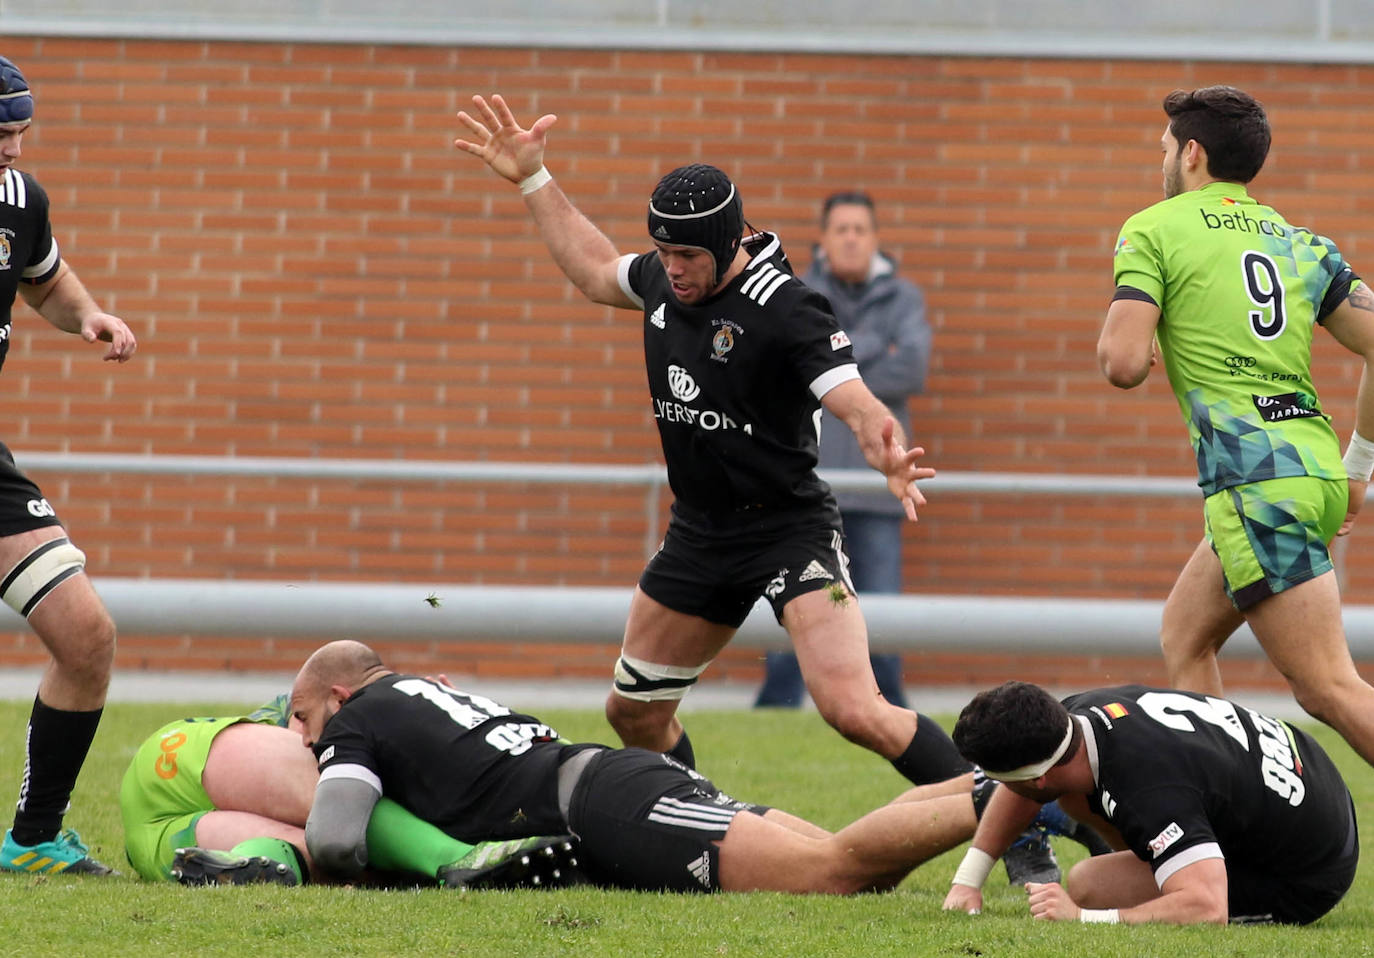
{"x": 313, "y": 270}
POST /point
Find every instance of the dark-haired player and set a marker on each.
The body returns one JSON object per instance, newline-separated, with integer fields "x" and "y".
{"x": 740, "y": 357}
{"x": 1221, "y": 812}
{"x": 1233, "y": 293}
{"x": 41, "y": 572}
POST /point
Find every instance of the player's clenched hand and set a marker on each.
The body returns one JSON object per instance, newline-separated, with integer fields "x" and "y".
{"x": 112, "y": 330}
{"x": 1357, "y": 494}
{"x": 1051, "y": 902}
{"x": 965, "y": 899}
{"x": 500, "y": 142}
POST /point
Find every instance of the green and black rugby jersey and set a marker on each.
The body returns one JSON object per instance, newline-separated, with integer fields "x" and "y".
{"x": 1240, "y": 291}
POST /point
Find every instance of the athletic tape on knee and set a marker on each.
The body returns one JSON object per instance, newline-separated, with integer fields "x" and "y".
{"x": 648, "y": 682}
{"x": 39, "y": 572}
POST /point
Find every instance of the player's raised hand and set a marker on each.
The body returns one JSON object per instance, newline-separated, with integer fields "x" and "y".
{"x": 500, "y": 142}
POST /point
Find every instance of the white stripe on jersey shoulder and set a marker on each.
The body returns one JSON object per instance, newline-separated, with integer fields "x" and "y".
{"x": 1185, "y": 858}
{"x": 831, "y": 378}
{"x": 622, "y": 276}
{"x": 354, "y": 773}
{"x": 13, "y": 192}
{"x": 42, "y": 268}
{"x": 764, "y": 283}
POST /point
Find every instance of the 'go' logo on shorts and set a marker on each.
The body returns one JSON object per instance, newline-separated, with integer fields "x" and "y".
{"x": 41, "y": 508}
{"x": 166, "y": 764}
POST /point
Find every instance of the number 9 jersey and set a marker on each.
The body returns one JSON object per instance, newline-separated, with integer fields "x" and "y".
{"x": 1240, "y": 292}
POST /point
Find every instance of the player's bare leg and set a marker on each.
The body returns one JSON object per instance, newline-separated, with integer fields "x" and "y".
{"x": 871, "y": 854}
{"x": 1198, "y": 619}
{"x": 233, "y": 777}
{"x": 831, "y": 640}
{"x": 1301, "y": 631}
{"x": 656, "y": 634}
{"x": 79, "y": 634}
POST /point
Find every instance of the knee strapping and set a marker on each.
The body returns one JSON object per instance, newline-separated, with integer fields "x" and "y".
{"x": 649, "y": 682}
{"x": 39, "y": 572}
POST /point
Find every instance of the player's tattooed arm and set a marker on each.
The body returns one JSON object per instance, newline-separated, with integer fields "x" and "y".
{"x": 1361, "y": 297}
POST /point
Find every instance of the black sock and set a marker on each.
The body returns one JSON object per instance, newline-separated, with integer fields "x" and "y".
{"x": 931, "y": 756}
{"x": 682, "y": 751}
{"x": 54, "y": 752}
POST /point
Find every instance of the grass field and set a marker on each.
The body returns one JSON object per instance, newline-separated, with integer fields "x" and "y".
{"x": 788, "y": 759}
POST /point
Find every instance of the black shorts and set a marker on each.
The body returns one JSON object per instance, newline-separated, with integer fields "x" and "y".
{"x": 717, "y": 570}
{"x": 1260, "y": 897}
{"x": 22, "y": 506}
{"x": 649, "y": 823}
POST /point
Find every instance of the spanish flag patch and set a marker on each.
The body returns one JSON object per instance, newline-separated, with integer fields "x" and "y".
{"x": 1115, "y": 710}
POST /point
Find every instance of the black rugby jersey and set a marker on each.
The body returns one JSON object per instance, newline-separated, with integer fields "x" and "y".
{"x": 27, "y": 249}
{"x": 735, "y": 381}
{"x": 462, "y": 762}
{"x": 1186, "y": 777}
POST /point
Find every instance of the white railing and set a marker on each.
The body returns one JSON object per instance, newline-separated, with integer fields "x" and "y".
{"x": 368, "y": 610}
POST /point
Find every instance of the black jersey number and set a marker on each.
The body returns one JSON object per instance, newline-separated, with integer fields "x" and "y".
{"x": 1265, "y": 288}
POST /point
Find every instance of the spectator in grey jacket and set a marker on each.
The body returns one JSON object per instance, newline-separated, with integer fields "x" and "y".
{"x": 884, "y": 316}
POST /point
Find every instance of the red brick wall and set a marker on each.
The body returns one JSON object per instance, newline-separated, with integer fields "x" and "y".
{"x": 313, "y": 270}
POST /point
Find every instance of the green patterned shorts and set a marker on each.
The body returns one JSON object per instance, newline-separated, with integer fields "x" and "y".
{"x": 1273, "y": 535}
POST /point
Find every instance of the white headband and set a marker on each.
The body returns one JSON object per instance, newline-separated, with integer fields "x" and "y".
{"x": 1028, "y": 773}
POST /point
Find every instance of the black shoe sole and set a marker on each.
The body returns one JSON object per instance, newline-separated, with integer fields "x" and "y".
{"x": 552, "y": 865}
{"x": 190, "y": 866}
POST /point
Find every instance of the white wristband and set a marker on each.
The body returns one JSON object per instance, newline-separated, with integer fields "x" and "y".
{"x": 1359, "y": 458}
{"x": 974, "y": 869}
{"x": 535, "y": 180}
{"x": 1106, "y": 916}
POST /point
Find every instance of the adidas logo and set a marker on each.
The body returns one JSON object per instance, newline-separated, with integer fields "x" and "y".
{"x": 701, "y": 869}
{"x": 661, "y": 232}
{"x": 657, "y": 317}
{"x": 814, "y": 571}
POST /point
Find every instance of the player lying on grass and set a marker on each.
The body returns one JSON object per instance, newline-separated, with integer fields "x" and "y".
{"x": 1221, "y": 812}
{"x": 224, "y": 799}
{"x": 479, "y": 771}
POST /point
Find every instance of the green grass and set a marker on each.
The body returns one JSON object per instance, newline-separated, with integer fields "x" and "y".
{"x": 788, "y": 759}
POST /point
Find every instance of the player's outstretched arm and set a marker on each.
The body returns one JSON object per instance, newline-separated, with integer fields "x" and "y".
{"x": 881, "y": 441}
{"x": 64, "y": 302}
{"x": 1125, "y": 350}
{"x": 582, "y": 251}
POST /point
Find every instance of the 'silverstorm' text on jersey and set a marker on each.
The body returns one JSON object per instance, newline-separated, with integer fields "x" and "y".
{"x": 27, "y": 249}
{"x": 736, "y": 381}
{"x": 1188, "y": 777}
{"x": 462, "y": 762}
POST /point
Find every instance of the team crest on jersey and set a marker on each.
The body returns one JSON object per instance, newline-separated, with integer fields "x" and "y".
{"x": 6, "y": 251}
{"x": 724, "y": 339}
{"x": 839, "y": 340}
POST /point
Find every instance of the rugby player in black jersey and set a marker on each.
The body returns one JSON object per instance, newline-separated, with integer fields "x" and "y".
{"x": 479, "y": 771}
{"x": 740, "y": 358}
{"x": 1221, "y": 813}
{"x": 41, "y": 572}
